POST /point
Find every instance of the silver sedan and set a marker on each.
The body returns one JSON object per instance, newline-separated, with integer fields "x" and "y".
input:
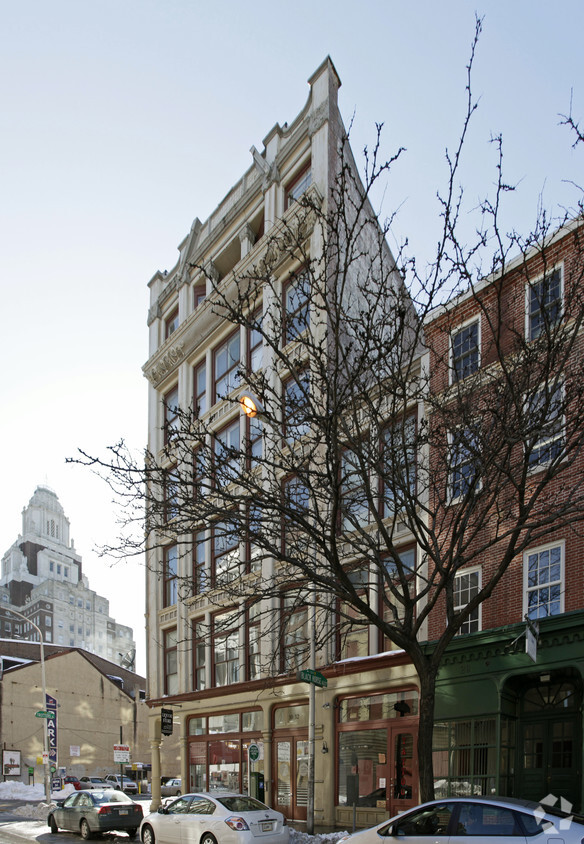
{"x": 464, "y": 820}
{"x": 214, "y": 818}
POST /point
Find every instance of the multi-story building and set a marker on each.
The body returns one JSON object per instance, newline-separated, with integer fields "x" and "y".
{"x": 42, "y": 578}
{"x": 229, "y": 665}
{"x": 510, "y": 690}
{"x": 216, "y": 668}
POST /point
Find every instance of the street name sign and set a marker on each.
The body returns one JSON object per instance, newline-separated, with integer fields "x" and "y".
{"x": 314, "y": 677}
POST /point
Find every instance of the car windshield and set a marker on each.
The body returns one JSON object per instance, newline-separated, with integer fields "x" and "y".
{"x": 240, "y": 803}
{"x": 111, "y": 797}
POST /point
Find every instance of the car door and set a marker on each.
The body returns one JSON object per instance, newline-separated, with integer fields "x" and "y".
{"x": 169, "y": 825}
{"x": 199, "y": 820}
{"x": 426, "y": 825}
{"x": 482, "y": 823}
{"x": 65, "y": 815}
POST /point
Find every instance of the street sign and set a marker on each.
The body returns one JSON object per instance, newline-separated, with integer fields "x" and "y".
{"x": 314, "y": 677}
{"x": 121, "y": 753}
{"x": 42, "y": 714}
{"x": 254, "y": 752}
{"x": 166, "y": 722}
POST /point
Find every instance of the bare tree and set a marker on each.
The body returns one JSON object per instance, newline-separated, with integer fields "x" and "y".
{"x": 365, "y": 432}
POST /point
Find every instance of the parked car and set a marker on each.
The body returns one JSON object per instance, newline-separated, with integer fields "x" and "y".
{"x": 458, "y": 820}
{"x": 94, "y": 782}
{"x": 71, "y": 780}
{"x": 128, "y": 786}
{"x": 91, "y": 812}
{"x": 171, "y": 788}
{"x": 207, "y": 818}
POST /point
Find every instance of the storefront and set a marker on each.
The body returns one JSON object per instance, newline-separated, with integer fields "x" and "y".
{"x": 507, "y": 725}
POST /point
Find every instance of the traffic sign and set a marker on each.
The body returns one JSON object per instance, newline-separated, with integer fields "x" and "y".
{"x": 42, "y": 714}
{"x": 121, "y": 753}
{"x": 314, "y": 677}
{"x": 254, "y": 752}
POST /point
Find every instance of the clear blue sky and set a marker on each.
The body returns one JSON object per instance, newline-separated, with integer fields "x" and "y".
{"x": 123, "y": 120}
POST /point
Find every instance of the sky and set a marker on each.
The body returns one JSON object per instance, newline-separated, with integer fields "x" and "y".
{"x": 123, "y": 120}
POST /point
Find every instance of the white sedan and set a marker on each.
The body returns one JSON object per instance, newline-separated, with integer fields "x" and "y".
{"x": 214, "y": 818}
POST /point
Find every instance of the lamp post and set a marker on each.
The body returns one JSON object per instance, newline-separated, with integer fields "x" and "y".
{"x": 44, "y": 703}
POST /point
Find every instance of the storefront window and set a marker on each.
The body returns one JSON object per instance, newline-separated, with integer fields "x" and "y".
{"x": 379, "y": 707}
{"x": 288, "y": 717}
{"x": 218, "y": 755}
{"x": 465, "y": 757}
{"x": 197, "y": 726}
{"x": 363, "y": 768}
{"x": 252, "y": 721}
{"x": 224, "y": 757}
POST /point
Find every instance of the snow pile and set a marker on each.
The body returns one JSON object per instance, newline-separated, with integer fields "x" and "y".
{"x": 35, "y": 793}
{"x": 297, "y": 837}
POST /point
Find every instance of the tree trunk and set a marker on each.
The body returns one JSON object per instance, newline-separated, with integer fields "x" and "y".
{"x": 425, "y": 731}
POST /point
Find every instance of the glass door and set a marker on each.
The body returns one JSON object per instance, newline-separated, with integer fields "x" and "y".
{"x": 403, "y": 769}
{"x": 291, "y": 776}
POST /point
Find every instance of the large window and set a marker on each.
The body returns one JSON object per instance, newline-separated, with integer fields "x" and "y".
{"x": 171, "y": 323}
{"x": 466, "y": 586}
{"x": 170, "y": 662}
{"x": 391, "y": 610}
{"x": 298, "y": 185}
{"x": 200, "y": 634}
{"x": 399, "y": 465}
{"x": 217, "y": 746}
{"x": 295, "y": 541}
{"x": 354, "y": 503}
{"x": 255, "y": 441}
{"x": 171, "y": 413}
{"x": 296, "y": 306}
{"x": 463, "y": 463}
{"x": 296, "y": 394}
{"x": 170, "y": 575}
{"x": 255, "y": 345}
{"x": 465, "y": 351}
{"x": 199, "y": 566}
{"x": 225, "y": 553}
{"x": 253, "y": 637}
{"x": 227, "y": 454}
{"x": 171, "y": 494}
{"x": 544, "y": 580}
{"x": 294, "y": 638}
{"x": 226, "y": 648}
{"x": 200, "y": 389}
{"x": 466, "y": 760}
{"x": 544, "y": 303}
{"x": 546, "y": 411}
{"x": 227, "y": 364}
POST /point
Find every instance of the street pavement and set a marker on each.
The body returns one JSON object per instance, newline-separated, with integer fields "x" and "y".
{"x": 14, "y": 829}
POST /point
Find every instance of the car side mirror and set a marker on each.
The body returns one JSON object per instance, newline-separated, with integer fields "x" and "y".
{"x": 162, "y": 810}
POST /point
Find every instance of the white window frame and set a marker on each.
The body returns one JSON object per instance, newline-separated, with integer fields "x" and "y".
{"x": 467, "y": 572}
{"x": 548, "y": 438}
{"x": 452, "y": 466}
{"x": 463, "y": 325}
{"x": 527, "y": 590}
{"x": 528, "y": 288}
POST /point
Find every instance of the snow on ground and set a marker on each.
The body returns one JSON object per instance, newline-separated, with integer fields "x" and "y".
{"x": 37, "y": 809}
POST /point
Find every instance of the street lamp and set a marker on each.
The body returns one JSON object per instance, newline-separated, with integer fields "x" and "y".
{"x": 251, "y": 405}
{"x": 44, "y": 703}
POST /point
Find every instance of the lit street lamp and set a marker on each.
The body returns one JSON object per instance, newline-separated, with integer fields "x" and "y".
{"x": 44, "y": 704}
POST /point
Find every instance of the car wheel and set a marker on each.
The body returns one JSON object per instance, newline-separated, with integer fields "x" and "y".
{"x": 178, "y": 793}
{"x": 84, "y": 830}
{"x": 208, "y": 839}
{"x": 53, "y": 825}
{"x": 148, "y": 835}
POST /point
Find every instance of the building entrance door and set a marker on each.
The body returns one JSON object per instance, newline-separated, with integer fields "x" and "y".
{"x": 291, "y": 776}
{"x": 402, "y": 792}
{"x": 550, "y": 759}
